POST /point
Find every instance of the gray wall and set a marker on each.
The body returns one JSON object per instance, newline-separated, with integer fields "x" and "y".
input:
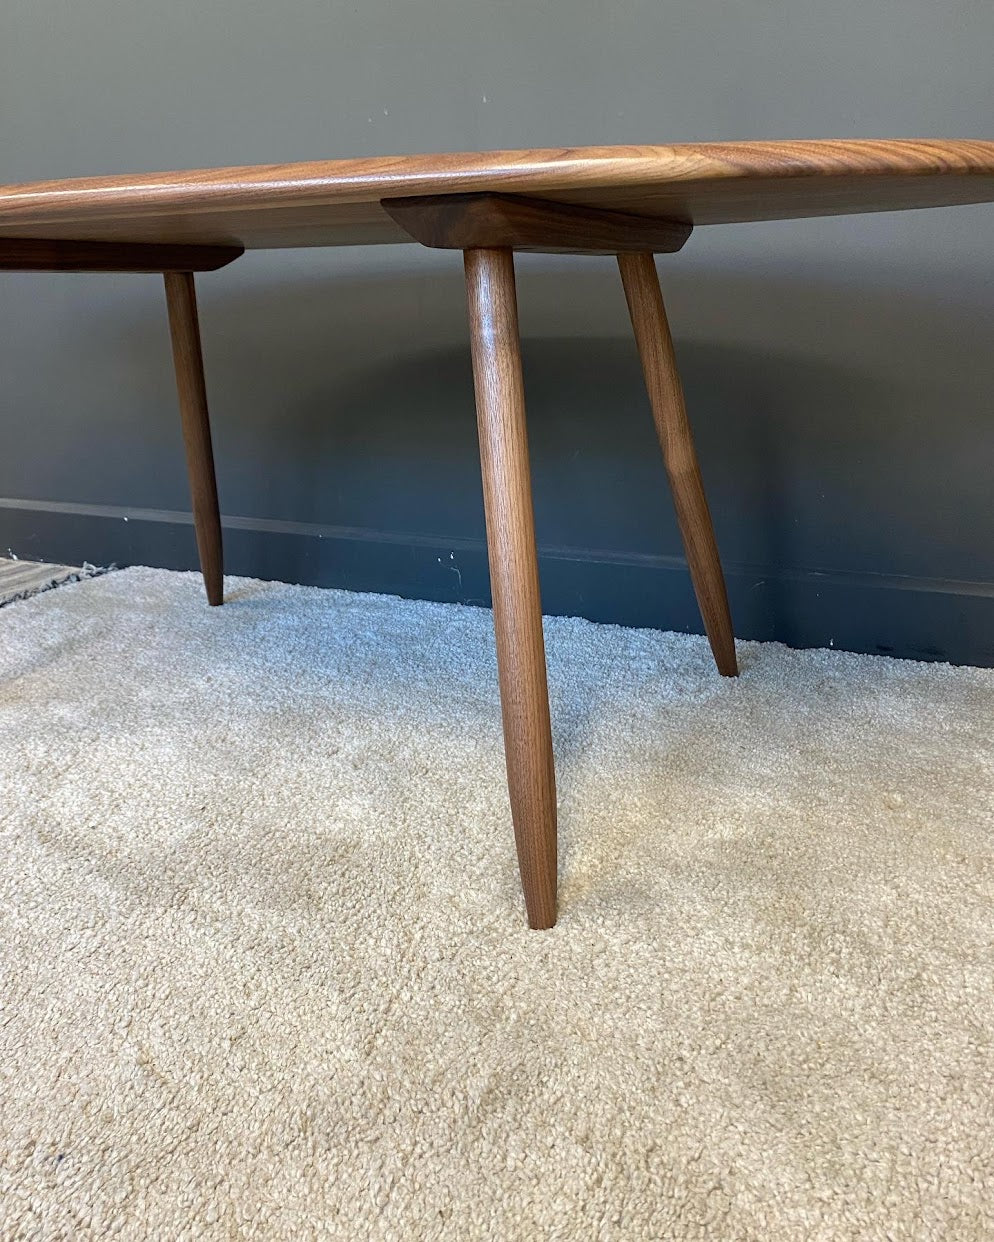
{"x": 839, "y": 372}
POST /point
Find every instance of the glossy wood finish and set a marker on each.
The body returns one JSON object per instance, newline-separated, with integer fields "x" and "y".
{"x": 184, "y": 327}
{"x": 495, "y": 221}
{"x": 524, "y": 696}
{"x": 338, "y": 202}
{"x": 20, "y": 255}
{"x": 652, "y": 333}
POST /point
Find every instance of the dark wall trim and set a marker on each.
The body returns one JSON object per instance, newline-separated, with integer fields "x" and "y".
{"x": 808, "y": 607}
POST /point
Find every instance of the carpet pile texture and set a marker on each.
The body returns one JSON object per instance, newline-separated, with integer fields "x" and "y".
{"x": 264, "y": 969}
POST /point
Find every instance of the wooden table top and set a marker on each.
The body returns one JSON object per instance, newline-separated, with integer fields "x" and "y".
{"x": 337, "y": 202}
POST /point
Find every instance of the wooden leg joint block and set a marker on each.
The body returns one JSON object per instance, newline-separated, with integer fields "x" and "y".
{"x": 48, "y": 255}
{"x": 513, "y": 222}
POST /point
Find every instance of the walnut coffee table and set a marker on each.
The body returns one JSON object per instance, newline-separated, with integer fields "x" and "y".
{"x": 633, "y": 202}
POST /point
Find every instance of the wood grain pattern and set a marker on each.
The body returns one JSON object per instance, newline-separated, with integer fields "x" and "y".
{"x": 524, "y": 695}
{"x": 497, "y": 221}
{"x": 337, "y": 202}
{"x": 45, "y": 255}
{"x": 662, "y": 380}
{"x": 184, "y": 327}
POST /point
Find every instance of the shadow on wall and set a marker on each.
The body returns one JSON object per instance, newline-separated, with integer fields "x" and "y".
{"x": 871, "y": 457}
{"x": 848, "y": 468}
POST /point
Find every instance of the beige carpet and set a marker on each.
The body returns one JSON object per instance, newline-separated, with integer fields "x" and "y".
{"x": 265, "y": 971}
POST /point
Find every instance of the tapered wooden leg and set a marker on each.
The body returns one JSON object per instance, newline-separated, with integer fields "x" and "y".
{"x": 184, "y": 327}
{"x": 524, "y": 694}
{"x": 652, "y": 332}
